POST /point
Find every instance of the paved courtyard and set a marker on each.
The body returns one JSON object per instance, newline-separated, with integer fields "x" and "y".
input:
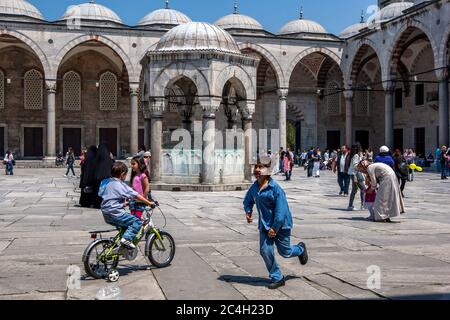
{"x": 42, "y": 234}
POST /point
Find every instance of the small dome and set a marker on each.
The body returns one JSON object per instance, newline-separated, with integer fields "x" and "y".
{"x": 164, "y": 16}
{"x": 197, "y": 36}
{"x": 391, "y": 11}
{"x": 302, "y": 25}
{"x": 238, "y": 21}
{"x": 91, "y": 11}
{"x": 20, "y": 8}
{"x": 353, "y": 30}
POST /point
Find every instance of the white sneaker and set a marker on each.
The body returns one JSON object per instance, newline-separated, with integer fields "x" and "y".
{"x": 127, "y": 243}
{"x": 65, "y": 175}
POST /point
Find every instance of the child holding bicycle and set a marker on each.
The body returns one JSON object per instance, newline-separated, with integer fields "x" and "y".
{"x": 115, "y": 194}
{"x": 140, "y": 182}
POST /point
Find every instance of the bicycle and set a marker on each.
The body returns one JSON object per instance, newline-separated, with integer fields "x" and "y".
{"x": 101, "y": 257}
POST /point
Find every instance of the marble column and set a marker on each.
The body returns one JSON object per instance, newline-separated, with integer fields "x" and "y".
{"x": 147, "y": 132}
{"x": 348, "y": 95}
{"x": 156, "y": 108}
{"x": 247, "y": 124}
{"x": 389, "y": 87}
{"x": 51, "y": 120}
{"x": 209, "y": 143}
{"x": 282, "y": 105}
{"x": 134, "y": 125}
{"x": 443, "y": 78}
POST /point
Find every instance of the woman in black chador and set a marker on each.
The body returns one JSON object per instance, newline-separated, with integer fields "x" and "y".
{"x": 103, "y": 165}
{"x": 87, "y": 179}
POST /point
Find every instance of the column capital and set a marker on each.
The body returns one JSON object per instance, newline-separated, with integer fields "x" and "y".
{"x": 154, "y": 108}
{"x": 442, "y": 74}
{"x": 210, "y": 105}
{"x": 247, "y": 109}
{"x": 134, "y": 89}
{"x": 348, "y": 94}
{"x": 50, "y": 85}
{"x": 389, "y": 85}
{"x": 283, "y": 93}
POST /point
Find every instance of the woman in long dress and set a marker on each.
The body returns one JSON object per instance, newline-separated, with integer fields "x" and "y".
{"x": 388, "y": 202}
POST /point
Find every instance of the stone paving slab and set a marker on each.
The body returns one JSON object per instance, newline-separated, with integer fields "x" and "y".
{"x": 42, "y": 233}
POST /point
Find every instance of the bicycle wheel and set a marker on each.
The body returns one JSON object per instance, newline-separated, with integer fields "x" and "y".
{"x": 161, "y": 251}
{"x": 96, "y": 266}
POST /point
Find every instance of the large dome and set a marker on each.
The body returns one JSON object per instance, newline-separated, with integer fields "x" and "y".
{"x": 20, "y": 8}
{"x": 238, "y": 21}
{"x": 302, "y": 25}
{"x": 197, "y": 36}
{"x": 391, "y": 11}
{"x": 353, "y": 30}
{"x": 166, "y": 17}
{"x": 91, "y": 11}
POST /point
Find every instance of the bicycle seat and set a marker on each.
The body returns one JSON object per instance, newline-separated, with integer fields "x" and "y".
{"x": 103, "y": 231}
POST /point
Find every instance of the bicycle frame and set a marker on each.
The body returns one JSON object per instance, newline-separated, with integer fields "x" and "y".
{"x": 109, "y": 254}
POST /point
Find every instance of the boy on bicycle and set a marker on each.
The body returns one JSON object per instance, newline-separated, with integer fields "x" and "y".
{"x": 115, "y": 194}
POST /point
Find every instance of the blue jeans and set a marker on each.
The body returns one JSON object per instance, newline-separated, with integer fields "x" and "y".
{"x": 70, "y": 167}
{"x": 132, "y": 223}
{"x": 9, "y": 168}
{"x": 344, "y": 182}
{"x": 267, "y": 251}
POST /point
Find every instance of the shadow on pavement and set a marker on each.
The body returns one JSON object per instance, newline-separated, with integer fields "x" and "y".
{"x": 252, "y": 281}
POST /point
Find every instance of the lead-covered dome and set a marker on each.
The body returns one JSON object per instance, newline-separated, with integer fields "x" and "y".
{"x": 19, "y": 8}
{"x": 91, "y": 11}
{"x": 391, "y": 11}
{"x": 197, "y": 36}
{"x": 353, "y": 30}
{"x": 238, "y": 21}
{"x": 164, "y": 17}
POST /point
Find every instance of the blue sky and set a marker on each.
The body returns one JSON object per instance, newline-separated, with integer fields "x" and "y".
{"x": 334, "y": 15}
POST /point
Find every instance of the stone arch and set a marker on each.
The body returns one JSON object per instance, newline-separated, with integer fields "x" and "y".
{"x": 354, "y": 60}
{"x": 295, "y": 113}
{"x": 98, "y": 38}
{"x": 306, "y": 52}
{"x": 281, "y": 81}
{"x": 419, "y": 57}
{"x": 35, "y": 48}
{"x": 175, "y": 71}
{"x": 238, "y": 73}
{"x": 444, "y": 57}
{"x": 394, "y": 54}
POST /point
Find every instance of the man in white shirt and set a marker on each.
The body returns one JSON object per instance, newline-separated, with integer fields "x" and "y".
{"x": 342, "y": 165}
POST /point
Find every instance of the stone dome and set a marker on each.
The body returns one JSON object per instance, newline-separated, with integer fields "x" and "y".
{"x": 197, "y": 36}
{"x": 166, "y": 17}
{"x": 238, "y": 21}
{"x": 302, "y": 25}
{"x": 19, "y": 8}
{"x": 91, "y": 11}
{"x": 353, "y": 30}
{"x": 391, "y": 11}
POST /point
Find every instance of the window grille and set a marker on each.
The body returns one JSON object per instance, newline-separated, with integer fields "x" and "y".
{"x": 72, "y": 91}
{"x": 33, "y": 90}
{"x": 108, "y": 91}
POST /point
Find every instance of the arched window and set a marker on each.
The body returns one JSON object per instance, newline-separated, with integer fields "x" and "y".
{"x": 108, "y": 91}
{"x": 2, "y": 90}
{"x": 71, "y": 91}
{"x": 33, "y": 90}
{"x": 333, "y": 98}
{"x": 362, "y": 100}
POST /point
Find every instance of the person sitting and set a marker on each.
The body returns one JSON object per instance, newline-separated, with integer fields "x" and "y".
{"x": 115, "y": 194}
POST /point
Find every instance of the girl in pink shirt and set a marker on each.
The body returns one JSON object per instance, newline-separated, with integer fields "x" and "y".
{"x": 140, "y": 182}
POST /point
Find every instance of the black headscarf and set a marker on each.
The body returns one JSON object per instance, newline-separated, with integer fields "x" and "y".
{"x": 103, "y": 163}
{"x": 88, "y": 178}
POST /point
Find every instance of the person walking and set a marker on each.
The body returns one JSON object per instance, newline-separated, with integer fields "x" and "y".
{"x": 288, "y": 164}
{"x": 9, "y": 163}
{"x": 317, "y": 158}
{"x": 342, "y": 166}
{"x": 401, "y": 170}
{"x": 383, "y": 180}
{"x": 87, "y": 178}
{"x": 356, "y": 178}
{"x": 282, "y": 153}
{"x": 444, "y": 162}
{"x": 310, "y": 160}
{"x": 274, "y": 221}
{"x": 385, "y": 157}
{"x": 70, "y": 160}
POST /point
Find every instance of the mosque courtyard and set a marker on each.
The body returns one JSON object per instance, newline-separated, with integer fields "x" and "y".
{"x": 43, "y": 236}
